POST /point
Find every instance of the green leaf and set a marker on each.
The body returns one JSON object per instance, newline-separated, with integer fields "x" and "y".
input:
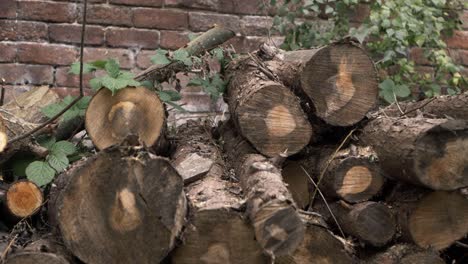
{"x": 40, "y": 172}
{"x": 197, "y": 81}
{"x": 148, "y": 84}
{"x": 20, "y": 164}
{"x": 99, "y": 64}
{"x": 402, "y": 90}
{"x": 165, "y": 97}
{"x": 52, "y": 109}
{"x": 46, "y": 141}
{"x": 160, "y": 58}
{"x": 386, "y": 90}
{"x": 114, "y": 84}
{"x": 87, "y": 68}
{"x": 113, "y": 68}
{"x": 96, "y": 83}
{"x": 176, "y": 106}
{"x": 58, "y": 161}
{"x": 170, "y": 95}
{"x": 83, "y": 102}
{"x": 64, "y": 146}
{"x": 182, "y": 56}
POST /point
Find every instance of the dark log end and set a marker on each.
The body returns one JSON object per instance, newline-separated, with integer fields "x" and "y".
{"x": 36, "y": 258}
{"x": 297, "y": 182}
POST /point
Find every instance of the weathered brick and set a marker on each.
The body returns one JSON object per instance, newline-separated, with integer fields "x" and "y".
{"x": 256, "y": 25}
{"x": 67, "y": 33}
{"x": 245, "y": 7}
{"x": 26, "y": 74}
{"x": 458, "y": 40}
{"x": 132, "y": 37}
{"x": 359, "y": 13}
{"x": 462, "y": 56}
{"x": 160, "y": 18}
{"x": 65, "y": 79}
{"x": 173, "y": 39}
{"x": 46, "y": 54}
{"x": 213, "y": 5}
{"x": 8, "y": 9}
{"x": 143, "y": 58}
{"x": 47, "y": 11}
{"x": 125, "y": 57}
{"x": 464, "y": 19}
{"x": 7, "y": 52}
{"x": 109, "y": 15}
{"x": 22, "y": 30}
{"x": 155, "y": 3}
{"x": 417, "y": 55}
{"x": 203, "y": 21}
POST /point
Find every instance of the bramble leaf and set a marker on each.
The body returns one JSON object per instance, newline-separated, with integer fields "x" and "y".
{"x": 40, "y": 172}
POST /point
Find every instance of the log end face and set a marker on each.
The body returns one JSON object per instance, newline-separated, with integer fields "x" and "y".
{"x": 24, "y": 198}
{"x": 36, "y": 258}
{"x": 374, "y": 223}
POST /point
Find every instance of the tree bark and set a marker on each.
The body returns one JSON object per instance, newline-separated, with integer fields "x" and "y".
{"x": 41, "y": 252}
{"x": 217, "y": 232}
{"x": 264, "y": 111}
{"x": 124, "y": 203}
{"x": 270, "y": 206}
{"x": 131, "y": 111}
{"x": 20, "y": 199}
{"x": 406, "y": 254}
{"x": 340, "y": 79}
{"x": 428, "y": 152}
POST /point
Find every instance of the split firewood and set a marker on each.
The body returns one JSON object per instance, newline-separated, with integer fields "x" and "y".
{"x": 217, "y": 231}
{"x": 428, "y": 152}
{"x": 270, "y": 206}
{"x": 319, "y": 246}
{"x": 340, "y": 79}
{"x": 43, "y": 251}
{"x": 370, "y": 222}
{"x": 20, "y": 200}
{"x": 131, "y": 111}
{"x": 430, "y": 219}
{"x": 122, "y": 204}
{"x": 406, "y": 254}
{"x": 351, "y": 174}
{"x": 266, "y": 112}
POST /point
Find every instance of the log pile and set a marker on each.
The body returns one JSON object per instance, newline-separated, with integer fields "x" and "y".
{"x": 307, "y": 170}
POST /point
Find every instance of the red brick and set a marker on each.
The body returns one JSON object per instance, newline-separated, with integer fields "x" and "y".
{"x": 204, "y": 21}
{"x": 464, "y": 19}
{"x": 458, "y": 40}
{"x": 359, "y": 13}
{"x": 7, "y": 52}
{"x": 173, "y": 39}
{"x": 417, "y": 55}
{"x": 66, "y": 79}
{"x": 160, "y": 18}
{"x": 462, "y": 57}
{"x": 138, "y": 2}
{"x": 67, "y": 33}
{"x": 26, "y": 74}
{"x": 7, "y": 8}
{"x": 125, "y": 57}
{"x": 256, "y": 25}
{"x": 47, "y": 11}
{"x": 46, "y": 54}
{"x": 132, "y": 37}
{"x": 246, "y": 7}
{"x": 143, "y": 59}
{"x": 64, "y": 91}
{"x": 22, "y": 30}
{"x": 109, "y": 15}
{"x": 213, "y": 5}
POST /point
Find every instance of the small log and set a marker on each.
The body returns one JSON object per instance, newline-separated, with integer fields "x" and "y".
{"x": 20, "y": 200}
{"x": 131, "y": 111}
{"x": 264, "y": 111}
{"x": 436, "y": 220}
{"x": 340, "y": 79}
{"x": 270, "y": 206}
{"x": 297, "y": 182}
{"x": 124, "y": 203}
{"x": 428, "y": 152}
{"x": 370, "y": 222}
{"x": 217, "y": 232}
{"x": 319, "y": 246}
{"x": 406, "y": 254}
{"x": 42, "y": 251}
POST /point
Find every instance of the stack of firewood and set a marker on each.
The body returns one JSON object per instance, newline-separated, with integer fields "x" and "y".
{"x": 307, "y": 170}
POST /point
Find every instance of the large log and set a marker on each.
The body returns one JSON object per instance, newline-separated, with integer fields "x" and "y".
{"x": 270, "y": 206}
{"x": 20, "y": 200}
{"x": 216, "y": 232}
{"x": 428, "y": 152}
{"x": 264, "y": 111}
{"x": 123, "y": 204}
{"x": 406, "y": 254}
{"x": 340, "y": 79}
{"x": 131, "y": 111}
{"x": 42, "y": 251}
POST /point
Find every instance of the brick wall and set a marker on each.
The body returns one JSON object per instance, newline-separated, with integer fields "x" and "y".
{"x": 39, "y": 39}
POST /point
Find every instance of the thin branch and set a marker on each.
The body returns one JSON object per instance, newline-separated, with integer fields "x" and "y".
{"x": 421, "y": 106}
{"x": 325, "y": 201}
{"x": 41, "y": 126}
{"x": 2, "y": 98}
{"x": 397, "y": 104}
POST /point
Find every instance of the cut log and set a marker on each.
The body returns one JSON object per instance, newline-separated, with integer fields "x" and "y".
{"x": 131, "y": 111}
{"x": 446, "y": 106}
{"x": 297, "y": 182}
{"x": 217, "y": 232}
{"x": 125, "y": 204}
{"x": 21, "y": 199}
{"x": 42, "y": 251}
{"x": 406, "y": 254}
{"x": 340, "y": 79}
{"x": 264, "y": 111}
{"x": 270, "y": 206}
{"x": 3, "y": 135}
{"x": 370, "y": 222}
{"x": 352, "y": 175}
{"x": 436, "y": 220}
{"x": 428, "y": 152}
{"x": 319, "y": 246}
